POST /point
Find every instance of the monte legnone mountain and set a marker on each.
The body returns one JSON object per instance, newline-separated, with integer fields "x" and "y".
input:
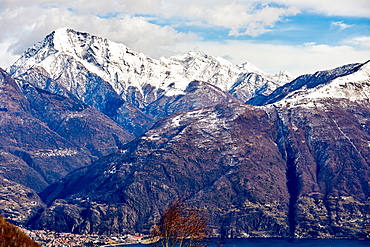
{"x": 97, "y": 138}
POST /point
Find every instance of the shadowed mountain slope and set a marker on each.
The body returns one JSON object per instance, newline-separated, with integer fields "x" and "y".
{"x": 43, "y": 137}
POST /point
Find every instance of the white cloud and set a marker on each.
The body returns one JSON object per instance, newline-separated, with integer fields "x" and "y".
{"x": 340, "y": 25}
{"x": 248, "y": 19}
{"x": 96, "y": 7}
{"x": 194, "y": 8}
{"x": 242, "y": 17}
{"x": 355, "y": 8}
{"x": 362, "y": 42}
{"x": 7, "y": 58}
{"x": 252, "y": 18}
{"x": 27, "y": 25}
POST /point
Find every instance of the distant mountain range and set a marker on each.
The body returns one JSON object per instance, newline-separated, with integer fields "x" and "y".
{"x": 131, "y": 88}
{"x": 96, "y": 138}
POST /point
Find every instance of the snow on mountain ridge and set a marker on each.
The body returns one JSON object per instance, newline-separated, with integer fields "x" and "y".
{"x": 353, "y": 83}
{"x": 70, "y": 57}
{"x": 248, "y": 67}
{"x": 63, "y": 52}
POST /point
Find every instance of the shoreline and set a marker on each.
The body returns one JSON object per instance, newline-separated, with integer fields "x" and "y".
{"x": 51, "y": 238}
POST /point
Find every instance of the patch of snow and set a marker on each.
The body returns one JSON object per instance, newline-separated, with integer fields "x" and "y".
{"x": 111, "y": 170}
{"x": 176, "y": 121}
{"x": 73, "y": 115}
{"x": 151, "y": 137}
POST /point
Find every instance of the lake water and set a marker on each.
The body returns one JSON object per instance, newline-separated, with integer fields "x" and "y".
{"x": 289, "y": 243}
{"x": 283, "y": 243}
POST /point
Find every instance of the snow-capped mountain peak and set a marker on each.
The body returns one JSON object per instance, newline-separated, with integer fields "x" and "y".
{"x": 92, "y": 68}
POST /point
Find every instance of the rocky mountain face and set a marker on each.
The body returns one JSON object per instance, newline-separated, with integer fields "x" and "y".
{"x": 294, "y": 161}
{"x": 295, "y": 168}
{"x": 57, "y": 112}
{"x": 76, "y": 122}
{"x": 327, "y": 143}
{"x": 223, "y": 159}
{"x": 126, "y": 85}
{"x": 19, "y": 203}
{"x": 44, "y": 136}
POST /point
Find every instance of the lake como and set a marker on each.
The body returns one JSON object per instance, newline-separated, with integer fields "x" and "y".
{"x": 289, "y": 243}
{"x": 282, "y": 243}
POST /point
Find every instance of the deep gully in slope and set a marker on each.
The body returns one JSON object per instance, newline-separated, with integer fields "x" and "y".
{"x": 286, "y": 149}
{"x": 293, "y": 185}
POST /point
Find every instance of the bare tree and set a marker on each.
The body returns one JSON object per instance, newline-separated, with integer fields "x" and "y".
{"x": 10, "y": 235}
{"x": 181, "y": 226}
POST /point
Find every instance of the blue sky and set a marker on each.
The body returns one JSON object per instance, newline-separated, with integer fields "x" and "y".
{"x": 300, "y": 36}
{"x": 295, "y": 30}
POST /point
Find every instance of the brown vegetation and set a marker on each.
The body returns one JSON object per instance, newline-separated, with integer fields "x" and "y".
{"x": 181, "y": 226}
{"x": 10, "y": 235}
